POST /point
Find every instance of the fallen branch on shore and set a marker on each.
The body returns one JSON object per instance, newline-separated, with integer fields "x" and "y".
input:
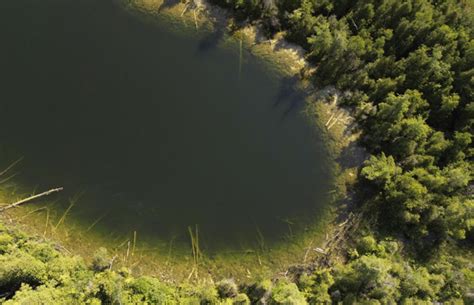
{"x": 25, "y": 200}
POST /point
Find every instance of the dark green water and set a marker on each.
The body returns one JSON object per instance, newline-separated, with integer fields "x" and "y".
{"x": 156, "y": 130}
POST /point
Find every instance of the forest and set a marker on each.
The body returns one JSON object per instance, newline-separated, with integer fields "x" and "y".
{"x": 405, "y": 69}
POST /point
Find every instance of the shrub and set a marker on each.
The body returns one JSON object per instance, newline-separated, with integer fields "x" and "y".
{"x": 227, "y": 288}
{"x": 286, "y": 293}
{"x": 316, "y": 286}
{"x": 101, "y": 260}
{"x": 40, "y": 250}
{"x": 258, "y": 291}
{"x": 5, "y": 241}
{"x": 46, "y": 295}
{"x": 151, "y": 291}
{"x": 108, "y": 286}
{"x": 369, "y": 277}
{"x": 20, "y": 268}
{"x": 241, "y": 299}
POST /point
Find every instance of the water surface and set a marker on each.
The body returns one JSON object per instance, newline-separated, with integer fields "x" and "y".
{"x": 154, "y": 130}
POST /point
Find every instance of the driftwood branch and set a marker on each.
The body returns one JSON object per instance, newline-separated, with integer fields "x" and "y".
{"x": 13, "y": 205}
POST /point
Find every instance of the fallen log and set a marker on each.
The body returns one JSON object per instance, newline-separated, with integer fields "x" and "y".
{"x": 25, "y": 200}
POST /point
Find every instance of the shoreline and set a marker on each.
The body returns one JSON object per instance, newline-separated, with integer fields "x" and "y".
{"x": 337, "y": 122}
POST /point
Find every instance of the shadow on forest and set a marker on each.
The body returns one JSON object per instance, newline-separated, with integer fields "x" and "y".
{"x": 289, "y": 95}
{"x": 352, "y": 156}
{"x": 168, "y": 4}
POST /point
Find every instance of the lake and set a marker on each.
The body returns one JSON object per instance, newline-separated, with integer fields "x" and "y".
{"x": 153, "y": 131}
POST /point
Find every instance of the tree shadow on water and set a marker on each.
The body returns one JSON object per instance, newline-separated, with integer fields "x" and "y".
{"x": 168, "y": 4}
{"x": 211, "y": 40}
{"x": 289, "y": 95}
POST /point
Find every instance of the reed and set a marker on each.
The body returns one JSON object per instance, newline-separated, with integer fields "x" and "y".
{"x": 63, "y": 217}
{"x": 123, "y": 243}
{"x": 168, "y": 258}
{"x": 95, "y": 222}
{"x": 128, "y": 251}
{"x": 8, "y": 178}
{"x": 194, "y": 235}
{"x": 46, "y": 223}
{"x": 11, "y": 166}
{"x": 260, "y": 239}
{"x": 195, "y": 20}
{"x": 134, "y": 242}
{"x": 240, "y": 56}
{"x": 289, "y": 223}
{"x": 72, "y": 203}
{"x": 32, "y": 212}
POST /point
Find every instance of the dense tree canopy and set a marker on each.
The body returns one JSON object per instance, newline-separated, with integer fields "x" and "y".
{"x": 406, "y": 68}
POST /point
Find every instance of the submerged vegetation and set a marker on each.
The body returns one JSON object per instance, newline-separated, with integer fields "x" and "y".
{"x": 405, "y": 69}
{"x": 34, "y": 271}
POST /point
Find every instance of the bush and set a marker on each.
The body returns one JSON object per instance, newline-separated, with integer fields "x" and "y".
{"x": 286, "y": 293}
{"x": 227, "y": 288}
{"x": 18, "y": 268}
{"x": 47, "y": 295}
{"x": 5, "y": 241}
{"x": 40, "y": 250}
{"x": 241, "y": 299}
{"x": 108, "y": 286}
{"x": 368, "y": 277}
{"x": 101, "y": 260}
{"x": 367, "y": 245}
{"x": 316, "y": 286}
{"x": 258, "y": 291}
{"x": 151, "y": 291}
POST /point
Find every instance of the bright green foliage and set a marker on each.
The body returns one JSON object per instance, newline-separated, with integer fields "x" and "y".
{"x": 286, "y": 293}
{"x": 381, "y": 170}
{"x": 316, "y": 286}
{"x": 46, "y": 295}
{"x": 149, "y": 290}
{"x": 19, "y": 267}
{"x": 370, "y": 277}
{"x": 241, "y": 299}
{"x": 5, "y": 240}
{"x": 368, "y": 245}
{"x": 101, "y": 260}
{"x": 406, "y": 67}
{"x": 381, "y": 276}
{"x": 420, "y": 283}
{"x": 33, "y": 272}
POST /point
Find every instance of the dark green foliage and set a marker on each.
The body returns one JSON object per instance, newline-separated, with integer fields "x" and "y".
{"x": 258, "y": 291}
{"x": 378, "y": 273}
{"x": 17, "y": 268}
{"x": 316, "y": 286}
{"x": 406, "y": 68}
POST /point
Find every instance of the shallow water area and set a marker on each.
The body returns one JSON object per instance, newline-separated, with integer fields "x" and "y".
{"x": 155, "y": 132}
